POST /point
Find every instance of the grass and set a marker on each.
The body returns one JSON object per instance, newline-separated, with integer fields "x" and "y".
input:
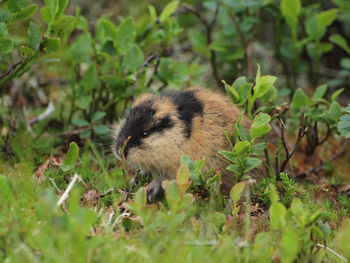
{"x": 98, "y": 229}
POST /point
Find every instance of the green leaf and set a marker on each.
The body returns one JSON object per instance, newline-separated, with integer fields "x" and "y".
{"x": 63, "y": 26}
{"x": 261, "y": 119}
{"x": 218, "y": 219}
{"x": 172, "y": 194}
{"x": 336, "y": 94}
{"x": 340, "y": 41}
{"x": 259, "y": 148}
{"x": 85, "y": 134}
{"x": 152, "y": 13}
{"x": 335, "y": 111}
{"x": 168, "y": 10}
{"x": 125, "y": 35}
{"x": 290, "y": 9}
{"x": 233, "y": 94}
{"x": 320, "y": 91}
{"x": 273, "y": 193}
{"x": 133, "y": 58}
{"x": 51, "y": 45}
{"x": 183, "y": 174}
{"x": 16, "y": 5}
{"x": 101, "y": 129}
{"x": 263, "y": 85}
{"x": 98, "y": 116}
{"x": 251, "y": 163}
{"x": 242, "y": 148}
{"x": 260, "y": 125}
{"x": 234, "y": 168}
{"x": 71, "y": 157}
{"x": 83, "y": 102}
{"x": 109, "y": 29}
{"x": 327, "y": 17}
{"x": 80, "y": 122}
{"x": 90, "y": 78}
{"x": 345, "y": 63}
{"x": 300, "y": 99}
{"x": 236, "y": 191}
{"x": 80, "y": 48}
{"x": 24, "y": 13}
{"x": 34, "y": 36}
{"x": 277, "y": 215}
{"x": 344, "y": 126}
{"x": 26, "y": 51}
{"x": 6, "y": 45}
{"x": 228, "y": 155}
{"x": 290, "y": 245}
{"x": 141, "y": 197}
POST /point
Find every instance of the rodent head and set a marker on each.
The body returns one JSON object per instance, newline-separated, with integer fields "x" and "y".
{"x": 154, "y": 129}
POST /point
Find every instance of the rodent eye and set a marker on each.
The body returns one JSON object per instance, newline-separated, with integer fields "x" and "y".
{"x": 145, "y": 133}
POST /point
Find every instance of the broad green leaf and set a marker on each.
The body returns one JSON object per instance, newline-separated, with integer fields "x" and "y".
{"x": 242, "y": 148}
{"x": 228, "y": 155}
{"x": 133, "y": 58}
{"x": 80, "y": 122}
{"x": 344, "y": 126}
{"x": 264, "y": 84}
{"x": 80, "y": 48}
{"x": 63, "y": 26}
{"x": 251, "y": 163}
{"x": 97, "y": 116}
{"x": 168, "y": 10}
{"x": 277, "y": 215}
{"x": 51, "y": 44}
{"x": 45, "y": 14}
{"x": 101, "y": 129}
{"x": 259, "y": 148}
{"x": 236, "y": 191}
{"x": 141, "y": 197}
{"x": 172, "y": 195}
{"x": 218, "y": 219}
{"x": 261, "y": 119}
{"x": 340, "y": 41}
{"x": 290, "y": 10}
{"x": 6, "y": 45}
{"x": 62, "y": 4}
{"x": 327, "y": 17}
{"x": 24, "y": 13}
{"x": 183, "y": 174}
{"x": 26, "y": 51}
{"x": 335, "y": 111}
{"x": 71, "y": 157}
{"x": 273, "y": 193}
{"x": 90, "y": 78}
{"x": 234, "y": 168}
{"x": 16, "y": 5}
{"x": 125, "y": 35}
{"x": 320, "y": 91}
{"x": 84, "y": 101}
{"x": 300, "y": 99}
{"x": 290, "y": 245}
{"x": 34, "y": 36}
{"x": 109, "y": 29}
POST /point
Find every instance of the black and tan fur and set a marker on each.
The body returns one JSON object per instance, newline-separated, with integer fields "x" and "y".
{"x": 163, "y": 128}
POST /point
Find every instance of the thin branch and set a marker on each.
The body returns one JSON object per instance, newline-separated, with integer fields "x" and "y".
{"x": 108, "y": 192}
{"x": 145, "y": 64}
{"x": 209, "y": 28}
{"x": 301, "y": 134}
{"x": 12, "y": 68}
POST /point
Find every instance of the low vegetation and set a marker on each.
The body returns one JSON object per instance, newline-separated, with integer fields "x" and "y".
{"x": 67, "y": 73}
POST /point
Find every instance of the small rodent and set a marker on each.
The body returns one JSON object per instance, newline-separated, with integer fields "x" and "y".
{"x": 162, "y": 128}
